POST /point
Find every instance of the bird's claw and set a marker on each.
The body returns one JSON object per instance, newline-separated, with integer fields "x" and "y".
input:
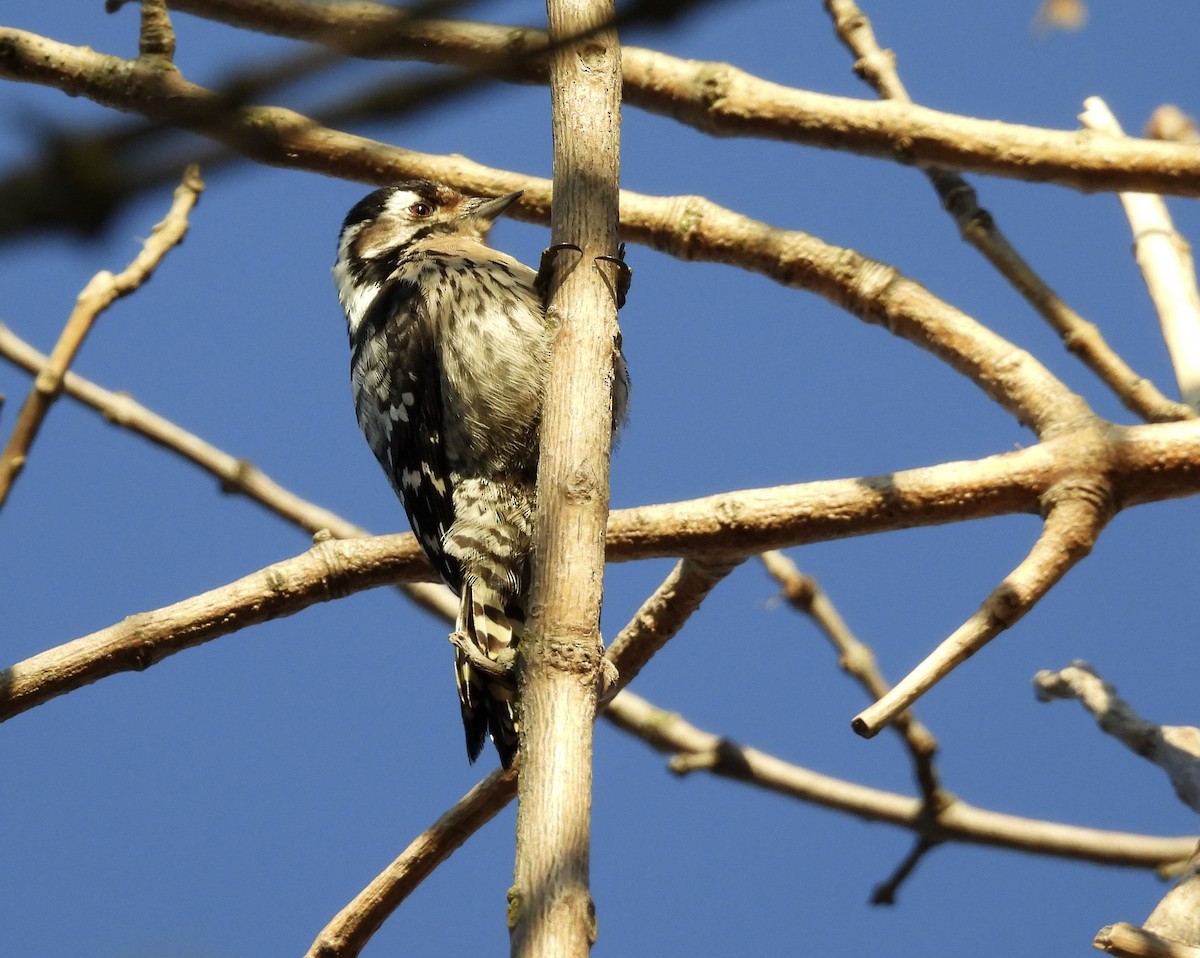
{"x": 499, "y": 669}
{"x": 541, "y": 282}
{"x": 624, "y": 277}
{"x": 624, "y": 274}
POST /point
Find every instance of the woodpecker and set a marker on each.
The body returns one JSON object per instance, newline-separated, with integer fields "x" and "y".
{"x": 450, "y": 350}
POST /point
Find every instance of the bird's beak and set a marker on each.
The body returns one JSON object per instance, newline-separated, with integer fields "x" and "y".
{"x": 488, "y": 210}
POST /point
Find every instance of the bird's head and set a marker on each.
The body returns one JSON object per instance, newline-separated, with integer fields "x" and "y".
{"x": 386, "y": 224}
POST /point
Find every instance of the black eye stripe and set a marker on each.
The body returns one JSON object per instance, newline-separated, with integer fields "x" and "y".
{"x": 370, "y": 207}
{"x": 373, "y": 205}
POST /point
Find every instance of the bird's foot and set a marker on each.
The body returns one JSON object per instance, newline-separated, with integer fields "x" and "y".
{"x": 624, "y": 274}
{"x": 499, "y": 669}
{"x": 545, "y": 272}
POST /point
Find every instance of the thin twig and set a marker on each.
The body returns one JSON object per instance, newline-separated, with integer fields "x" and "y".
{"x": 1070, "y": 529}
{"x": 235, "y": 475}
{"x": 156, "y": 37}
{"x": 885, "y": 892}
{"x": 977, "y": 226}
{"x": 857, "y": 660}
{"x": 659, "y": 618}
{"x": 1165, "y": 259}
{"x": 1174, "y": 748}
{"x": 663, "y": 614}
{"x": 669, "y": 733}
{"x": 82, "y": 178}
{"x": 352, "y": 927}
{"x": 100, "y": 293}
{"x": 709, "y": 96}
{"x": 337, "y": 568}
{"x": 1147, "y": 463}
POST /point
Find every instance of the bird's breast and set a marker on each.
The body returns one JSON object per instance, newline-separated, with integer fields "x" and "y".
{"x": 494, "y": 351}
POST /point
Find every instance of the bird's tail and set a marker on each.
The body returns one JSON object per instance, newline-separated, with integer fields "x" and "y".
{"x": 492, "y": 624}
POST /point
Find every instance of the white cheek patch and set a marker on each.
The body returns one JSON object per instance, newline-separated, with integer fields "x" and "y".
{"x": 393, "y": 228}
{"x": 355, "y": 298}
{"x": 399, "y": 202}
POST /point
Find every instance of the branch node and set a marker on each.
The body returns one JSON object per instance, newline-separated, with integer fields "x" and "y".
{"x": 687, "y": 762}
{"x": 725, "y": 757}
{"x": 236, "y": 480}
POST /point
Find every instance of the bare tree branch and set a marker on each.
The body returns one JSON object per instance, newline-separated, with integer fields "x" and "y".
{"x": 695, "y": 749}
{"x": 1174, "y": 748}
{"x": 331, "y": 569}
{"x": 351, "y": 928}
{"x": 80, "y": 178}
{"x": 1165, "y": 259}
{"x": 234, "y": 474}
{"x": 561, "y": 655}
{"x": 156, "y": 38}
{"x": 1077, "y": 514}
{"x": 687, "y": 227}
{"x": 885, "y": 892}
{"x": 662, "y": 615}
{"x": 659, "y": 618}
{"x": 1145, "y": 463}
{"x": 722, "y": 100}
{"x": 979, "y": 228}
{"x": 857, "y": 659}
{"x": 101, "y": 292}
{"x": 1082, "y": 471}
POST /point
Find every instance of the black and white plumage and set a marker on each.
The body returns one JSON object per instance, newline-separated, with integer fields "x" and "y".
{"x": 450, "y": 353}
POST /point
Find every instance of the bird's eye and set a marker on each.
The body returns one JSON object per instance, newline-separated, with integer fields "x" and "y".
{"x": 421, "y": 210}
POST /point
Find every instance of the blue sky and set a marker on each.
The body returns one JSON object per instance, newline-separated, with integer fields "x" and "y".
{"x": 230, "y": 800}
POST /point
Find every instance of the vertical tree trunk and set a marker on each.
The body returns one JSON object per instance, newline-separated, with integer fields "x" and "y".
{"x": 551, "y": 912}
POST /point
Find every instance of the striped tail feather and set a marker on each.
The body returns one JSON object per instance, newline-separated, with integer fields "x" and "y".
{"x": 493, "y": 624}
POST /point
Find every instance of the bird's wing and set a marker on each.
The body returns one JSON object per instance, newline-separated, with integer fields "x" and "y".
{"x": 399, "y": 406}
